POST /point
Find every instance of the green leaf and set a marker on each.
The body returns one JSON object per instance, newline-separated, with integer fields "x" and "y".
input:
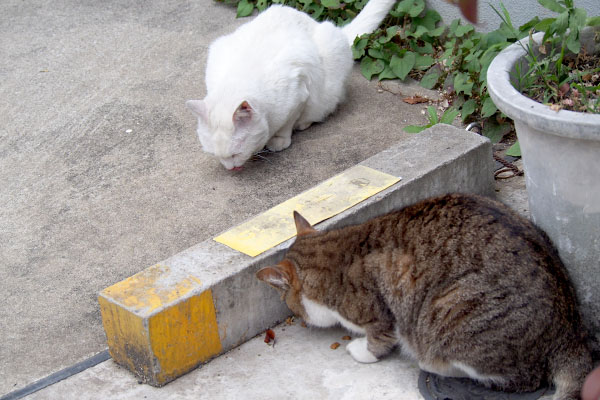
{"x": 449, "y": 116}
{"x": 453, "y": 25}
{"x": 370, "y": 67}
{"x": 423, "y": 62}
{"x": 420, "y": 31}
{"x": 494, "y": 37}
{"x": 402, "y": 65}
{"x": 573, "y": 43}
{"x": 494, "y": 131}
{"x": 462, "y": 83}
{"x": 429, "y": 20}
{"x": 593, "y": 21}
{"x": 389, "y": 34}
{"x": 431, "y": 77}
{"x": 261, "y": 5}
{"x": 544, "y": 24}
{"x": 414, "y": 128}
{"x": 507, "y": 31}
{"x": 437, "y": 31}
{"x": 411, "y": 7}
{"x": 514, "y": 150}
{"x": 552, "y": 5}
{"x": 244, "y": 8}
{"x": 529, "y": 24}
{"x": 334, "y": 4}
{"x": 433, "y": 117}
{"x": 358, "y": 50}
{"x": 403, "y": 6}
{"x": 417, "y": 8}
{"x": 473, "y": 67}
{"x": 485, "y": 61}
{"x": 391, "y": 31}
{"x": 393, "y": 48}
{"x": 506, "y": 15}
{"x": 387, "y": 73}
{"x": 561, "y": 24}
{"x": 468, "y": 108}
{"x": 489, "y": 108}
{"x": 318, "y": 11}
{"x": 427, "y": 48}
{"x": 577, "y": 19}
{"x": 462, "y": 30}
{"x": 467, "y": 44}
{"x": 376, "y": 53}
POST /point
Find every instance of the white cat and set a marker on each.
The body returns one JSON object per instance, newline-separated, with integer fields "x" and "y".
{"x": 278, "y": 72}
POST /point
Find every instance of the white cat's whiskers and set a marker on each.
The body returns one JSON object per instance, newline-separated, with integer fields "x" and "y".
{"x": 258, "y": 157}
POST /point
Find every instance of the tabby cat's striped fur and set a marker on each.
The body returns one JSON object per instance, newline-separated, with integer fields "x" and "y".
{"x": 462, "y": 283}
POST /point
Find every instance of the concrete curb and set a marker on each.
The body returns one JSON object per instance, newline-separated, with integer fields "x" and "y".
{"x": 171, "y": 317}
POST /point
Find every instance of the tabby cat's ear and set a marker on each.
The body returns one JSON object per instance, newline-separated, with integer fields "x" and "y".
{"x": 275, "y": 276}
{"x": 303, "y": 227}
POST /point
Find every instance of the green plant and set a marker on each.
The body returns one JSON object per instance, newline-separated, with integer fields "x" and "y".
{"x": 559, "y": 72}
{"x": 320, "y": 10}
{"x": 447, "y": 117}
{"x": 454, "y": 58}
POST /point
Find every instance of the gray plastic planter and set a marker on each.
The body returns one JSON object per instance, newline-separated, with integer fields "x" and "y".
{"x": 561, "y": 158}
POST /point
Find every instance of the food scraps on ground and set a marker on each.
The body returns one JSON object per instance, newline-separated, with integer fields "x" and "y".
{"x": 270, "y": 336}
{"x": 334, "y": 346}
{"x": 346, "y": 337}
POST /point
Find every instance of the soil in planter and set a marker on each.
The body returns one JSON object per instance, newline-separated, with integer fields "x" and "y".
{"x": 581, "y": 93}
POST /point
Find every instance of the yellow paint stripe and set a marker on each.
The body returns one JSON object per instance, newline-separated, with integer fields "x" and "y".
{"x": 166, "y": 344}
{"x": 127, "y": 338}
{"x": 317, "y": 204}
{"x": 151, "y": 288}
{"x": 184, "y": 336}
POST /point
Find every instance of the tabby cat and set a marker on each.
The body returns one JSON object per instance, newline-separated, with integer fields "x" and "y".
{"x": 464, "y": 285}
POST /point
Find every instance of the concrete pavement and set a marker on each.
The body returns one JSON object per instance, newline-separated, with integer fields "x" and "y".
{"x": 102, "y": 174}
{"x": 301, "y": 364}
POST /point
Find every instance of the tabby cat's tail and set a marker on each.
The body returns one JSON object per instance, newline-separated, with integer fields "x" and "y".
{"x": 569, "y": 367}
{"x": 368, "y": 19}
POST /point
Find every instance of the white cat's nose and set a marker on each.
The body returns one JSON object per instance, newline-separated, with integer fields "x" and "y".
{"x": 233, "y": 163}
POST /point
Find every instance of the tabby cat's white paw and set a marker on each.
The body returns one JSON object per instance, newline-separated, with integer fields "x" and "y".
{"x": 359, "y": 351}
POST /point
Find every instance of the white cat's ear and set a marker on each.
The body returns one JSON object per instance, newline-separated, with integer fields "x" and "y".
{"x": 303, "y": 227}
{"x": 198, "y": 107}
{"x": 243, "y": 113}
{"x": 275, "y": 276}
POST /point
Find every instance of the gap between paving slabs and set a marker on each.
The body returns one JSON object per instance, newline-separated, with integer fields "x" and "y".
{"x": 204, "y": 301}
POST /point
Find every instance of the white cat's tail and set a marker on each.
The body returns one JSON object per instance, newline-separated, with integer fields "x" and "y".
{"x": 368, "y": 19}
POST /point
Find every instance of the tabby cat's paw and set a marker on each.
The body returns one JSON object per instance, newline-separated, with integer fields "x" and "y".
{"x": 359, "y": 351}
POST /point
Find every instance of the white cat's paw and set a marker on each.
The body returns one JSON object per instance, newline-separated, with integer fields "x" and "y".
{"x": 278, "y": 143}
{"x": 359, "y": 351}
{"x": 302, "y": 126}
